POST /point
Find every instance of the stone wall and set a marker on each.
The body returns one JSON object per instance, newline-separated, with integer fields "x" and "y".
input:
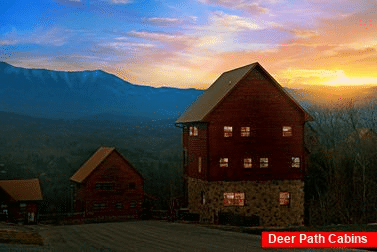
{"x": 261, "y": 199}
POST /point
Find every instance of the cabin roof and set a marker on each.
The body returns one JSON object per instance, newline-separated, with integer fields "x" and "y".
{"x": 93, "y": 162}
{"x": 220, "y": 89}
{"x": 23, "y": 189}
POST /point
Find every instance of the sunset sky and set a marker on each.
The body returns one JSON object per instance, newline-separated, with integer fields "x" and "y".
{"x": 188, "y": 44}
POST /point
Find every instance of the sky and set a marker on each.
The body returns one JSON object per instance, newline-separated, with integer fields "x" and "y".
{"x": 188, "y": 44}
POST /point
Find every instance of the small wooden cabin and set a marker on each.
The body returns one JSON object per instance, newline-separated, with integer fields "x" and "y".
{"x": 20, "y": 199}
{"x": 243, "y": 149}
{"x": 107, "y": 185}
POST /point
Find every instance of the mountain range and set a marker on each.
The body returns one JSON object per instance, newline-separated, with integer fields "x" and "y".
{"x": 57, "y": 94}
{"x": 86, "y": 94}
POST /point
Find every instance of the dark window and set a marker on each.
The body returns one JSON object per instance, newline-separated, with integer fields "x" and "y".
{"x": 285, "y": 198}
{"x": 104, "y": 186}
{"x": 99, "y": 206}
{"x": 132, "y": 185}
{"x": 119, "y": 205}
{"x": 133, "y": 204}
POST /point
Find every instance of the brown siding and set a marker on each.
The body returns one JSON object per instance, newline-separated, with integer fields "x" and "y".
{"x": 115, "y": 170}
{"x": 196, "y": 146}
{"x": 257, "y": 103}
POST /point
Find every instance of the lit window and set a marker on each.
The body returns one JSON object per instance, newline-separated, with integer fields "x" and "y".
{"x": 234, "y": 199}
{"x": 247, "y": 163}
{"x": 200, "y": 164}
{"x": 223, "y": 162}
{"x": 193, "y": 131}
{"x": 295, "y": 162}
{"x": 228, "y": 131}
{"x": 263, "y": 162}
{"x": 245, "y": 131}
{"x": 285, "y": 198}
{"x": 287, "y": 131}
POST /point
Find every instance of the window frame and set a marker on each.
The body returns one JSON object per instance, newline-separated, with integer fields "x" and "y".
{"x": 245, "y": 131}
{"x": 224, "y": 162}
{"x": 296, "y": 163}
{"x": 285, "y": 199}
{"x": 234, "y": 199}
{"x": 193, "y": 131}
{"x": 133, "y": 204}
{"x": 287, "y": 131}
{"x": 99, "y": 206}
{"x": 264, "y": 162}
{"x": 228, "y": 131}
{"x": 248, "y": 163}
{"x": 105, "y": 186}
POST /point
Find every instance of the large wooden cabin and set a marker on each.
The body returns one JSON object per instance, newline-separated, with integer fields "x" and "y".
{"x": 243, "y": 149}
{"x": 108, "y": 185}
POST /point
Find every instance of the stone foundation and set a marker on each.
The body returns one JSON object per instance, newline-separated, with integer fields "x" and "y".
{"x": 261, "y": 199}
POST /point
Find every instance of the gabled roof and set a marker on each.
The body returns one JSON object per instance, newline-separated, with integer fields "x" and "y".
{"x": 93, "y": 162}
{"x": 220, "y": 89}
{"x": 22, "y": 190}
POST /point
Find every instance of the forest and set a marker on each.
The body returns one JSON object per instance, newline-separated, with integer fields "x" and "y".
{"x": 340, "y": 182}
{"x": 52, "y": 150}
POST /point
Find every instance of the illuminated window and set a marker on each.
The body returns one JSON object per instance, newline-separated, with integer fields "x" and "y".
{"x": 295, "y": 162}
{"x": 263, "y": 162}
{"x": 245, "y": 131}
{"x": 287, "y": 131}
{"x": 234, "y": 199}
{"x": 223, "y": 162}
{"x": 200, "y": 164}
{"x": 285, "y": 198}
{"x": 228, "y": 130}
{"x": 247, "y": 163}
{"x": 193, "y": 131}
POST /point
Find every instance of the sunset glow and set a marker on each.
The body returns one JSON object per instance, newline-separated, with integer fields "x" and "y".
{"x": 188, "y": 44}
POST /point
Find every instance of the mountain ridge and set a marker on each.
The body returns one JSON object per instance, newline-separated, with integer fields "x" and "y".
{"x": 80, "y": 94}
{"x": 56, "y": 94}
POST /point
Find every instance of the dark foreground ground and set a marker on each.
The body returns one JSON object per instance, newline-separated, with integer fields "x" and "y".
{"x": 148, "y": 236}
